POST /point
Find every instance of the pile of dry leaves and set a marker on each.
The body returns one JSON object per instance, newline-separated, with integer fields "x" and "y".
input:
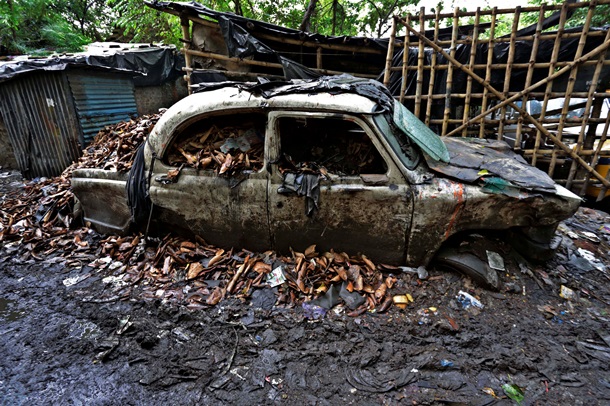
{"x": 38, "y": 221}
{"x": 226, "y": 150}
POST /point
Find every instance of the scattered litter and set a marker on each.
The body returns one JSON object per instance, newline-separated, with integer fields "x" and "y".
{"x": 467, "y": 300}
{"x": 567, "y": 293}
{"x": 401, "y": 301}
{"x": 446, "y": 363}
{"x": 490, "y": 391}
{"x": 124, "y": 325}
{"x": 75, "y": 280}
{"x": 276, "y": 277}
{"x": 495, "y": 261}
{"x": 313, "y": 312}
{"x": 114, "y": 280}
{"x": 514, "y": 392}
{"x": 592, "y": 259}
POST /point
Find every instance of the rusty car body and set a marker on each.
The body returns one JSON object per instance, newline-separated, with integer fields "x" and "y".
{"x": 338, "y": 166}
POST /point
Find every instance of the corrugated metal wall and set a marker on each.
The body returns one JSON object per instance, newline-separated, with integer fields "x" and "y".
{"x": 39, "y": 114}
{"x": 101, "y": 99}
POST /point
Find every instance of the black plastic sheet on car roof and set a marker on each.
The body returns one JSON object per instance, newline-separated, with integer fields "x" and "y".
{"x": 369, "y": 88}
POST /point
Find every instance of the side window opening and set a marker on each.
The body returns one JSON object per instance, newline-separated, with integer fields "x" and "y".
{"x": 330, "y": 144}
{"x": 227, "y": 145}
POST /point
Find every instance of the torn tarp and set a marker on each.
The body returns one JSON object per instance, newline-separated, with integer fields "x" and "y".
{"x": 475, "y": 158}
{"x": 369, "y": 88}
{"x": 150, "y": 66}
{"x": 303, "y": 184}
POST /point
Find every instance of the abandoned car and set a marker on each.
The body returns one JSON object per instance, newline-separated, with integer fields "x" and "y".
{"x": 335, "y": 162}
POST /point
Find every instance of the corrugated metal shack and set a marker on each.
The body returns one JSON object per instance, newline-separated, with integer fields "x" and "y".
{"x": 52, "y": 108}
{"x": 50, "y": 114}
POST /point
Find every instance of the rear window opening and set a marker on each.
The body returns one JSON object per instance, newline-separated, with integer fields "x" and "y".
{"x": 226, "y": 145}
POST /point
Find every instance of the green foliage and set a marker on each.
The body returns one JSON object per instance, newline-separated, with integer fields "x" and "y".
{"x": 137, "y": 22}
{"x": 66, "y": 25}
{"x": 600, "y": 17}
{"x": 28, "y": 26}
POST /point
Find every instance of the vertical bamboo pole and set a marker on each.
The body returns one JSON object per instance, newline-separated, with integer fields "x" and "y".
{"x": 432, "y": 69}
{"x": 420, "y": 65}
{"x": 490, "y": 56}
{"x": 598, "y": 147}
{"x": 586, "y": 115}
{"x": 405, "y": 61}
{"x": 319, "y": 58}
{"x": 530, "y": 71}
{"x": 602, "y": 192}
{"x": 454, "y": 35}
{"x": 473, "y": 52}
{"x": 390, "y": 55}
{"x": 549, "y": 86}
{"x": 509, "y": 67}
{"x": 188, "y": 44}
{"x": 571, "y": 82}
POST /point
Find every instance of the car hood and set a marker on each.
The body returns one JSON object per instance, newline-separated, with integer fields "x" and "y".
{"x": 491, "y": 164}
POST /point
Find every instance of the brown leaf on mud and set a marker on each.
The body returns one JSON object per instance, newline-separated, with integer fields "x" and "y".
{"x": 381, "y": 291}
{"x": 79, "y": 242}
{"x": 217, "y": 258}
{"x": 194, "y": 270}
{"x": 188, "y": 245}
{"x": 359, "y": 285}
{"x": 261, "y": 267}
{"x": 216, "y": 296}
{"x": 341, "y": 273}
{"x": 390, "y": 281}
{"x": 369, "y": 263}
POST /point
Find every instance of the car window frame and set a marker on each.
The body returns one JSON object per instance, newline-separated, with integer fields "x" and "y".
{"x": 178, "y": 128}
{"x": 392, "y": 171}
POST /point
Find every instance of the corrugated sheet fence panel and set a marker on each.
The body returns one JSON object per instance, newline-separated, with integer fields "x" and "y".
{"x": 101, "y": 99}
{"x": 39, "y": 115}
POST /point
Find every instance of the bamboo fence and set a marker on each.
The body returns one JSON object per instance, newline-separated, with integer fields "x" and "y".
{"x": 489, "y": 97}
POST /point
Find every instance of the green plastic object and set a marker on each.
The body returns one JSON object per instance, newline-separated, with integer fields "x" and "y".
{"x": 423, "y": 136}
{"x": 514, "y": 392}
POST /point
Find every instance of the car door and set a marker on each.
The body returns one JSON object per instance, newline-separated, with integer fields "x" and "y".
{"x": 192, "y": 188}
{"x": 364, "y": 203}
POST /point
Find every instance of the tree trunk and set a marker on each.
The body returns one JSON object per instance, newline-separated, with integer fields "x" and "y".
{"x": 335, "y": 6}
{"x": 306, "y": 24}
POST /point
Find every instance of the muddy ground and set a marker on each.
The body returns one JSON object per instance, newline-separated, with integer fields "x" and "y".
{"x": 65, "y": 338}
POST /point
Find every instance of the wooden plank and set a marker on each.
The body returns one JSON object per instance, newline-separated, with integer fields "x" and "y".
{"x": 509, "y": 69}
{"x": 572, "y": 80}
{"x": 432, "y": 72}
{"x": 530, "y": 71}
{"x": 490, "y": 56}
{"x": 420, "y": 66}
{"x": 390, "y": 54}
{"x": 405, "y": 62}
{"x": 454, "y": 35}
{"x": 473, "y": 53}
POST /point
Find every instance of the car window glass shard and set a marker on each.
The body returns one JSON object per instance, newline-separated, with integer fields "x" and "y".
{"x": 423, "y": 136}
{"x": 400, "y": 143}
{"x": 327, "y": 145}
{"x": 226, "y": 145}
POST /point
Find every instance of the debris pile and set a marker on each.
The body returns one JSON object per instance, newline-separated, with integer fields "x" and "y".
{"x": 114, "y": 147}
{"x": 226, "y": 150}
{"x": 38, "y": 222}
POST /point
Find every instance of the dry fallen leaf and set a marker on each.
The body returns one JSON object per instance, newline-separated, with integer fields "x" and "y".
{"x": 194, "y": 269}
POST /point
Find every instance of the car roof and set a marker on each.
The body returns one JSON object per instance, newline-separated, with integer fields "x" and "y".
{"x": 235, "y": 98}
